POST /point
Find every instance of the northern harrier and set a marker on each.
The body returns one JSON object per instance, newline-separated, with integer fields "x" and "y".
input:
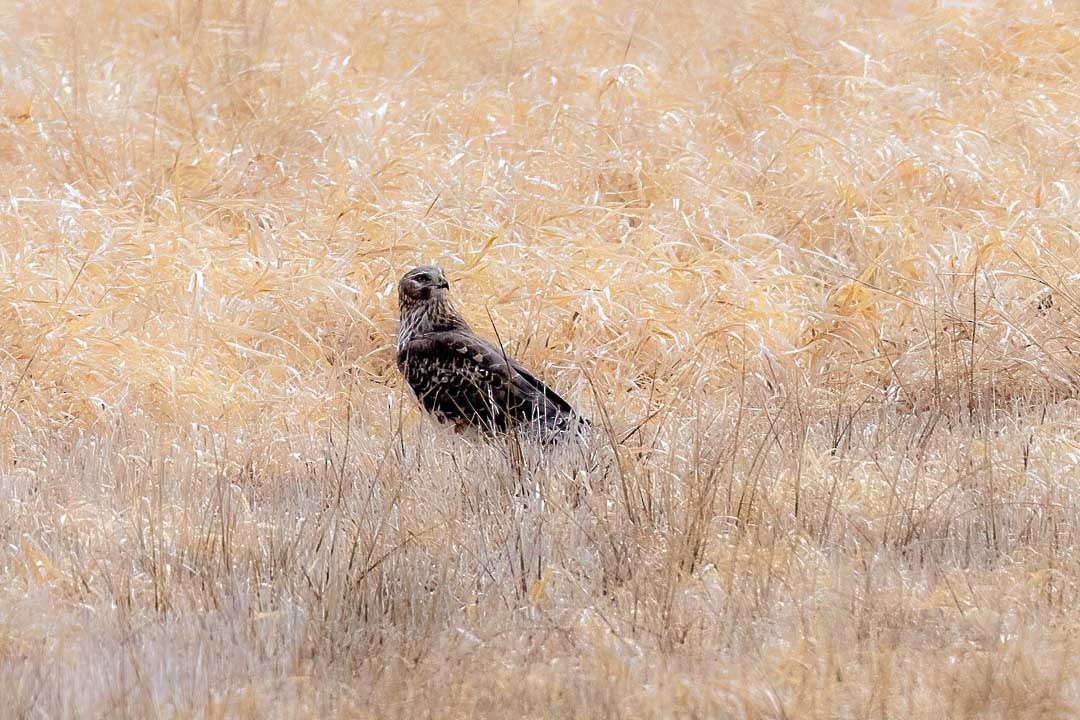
{"x": 460, "y": 378}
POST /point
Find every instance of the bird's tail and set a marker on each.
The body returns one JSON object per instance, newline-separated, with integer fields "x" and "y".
{"x": 561, "y": 426}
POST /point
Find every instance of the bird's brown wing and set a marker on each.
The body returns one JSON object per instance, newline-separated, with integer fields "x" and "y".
{"x": 553, "y": 397}
{"x": 462, "y": 378}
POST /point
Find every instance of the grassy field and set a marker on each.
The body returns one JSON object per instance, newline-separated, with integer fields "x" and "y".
{"x": 813, "y": 269}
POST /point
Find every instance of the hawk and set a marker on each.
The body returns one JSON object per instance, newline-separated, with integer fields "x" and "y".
{"x": 463, "y": 379}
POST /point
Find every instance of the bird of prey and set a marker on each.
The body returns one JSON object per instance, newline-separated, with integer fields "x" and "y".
{"x": 463, "y": 379}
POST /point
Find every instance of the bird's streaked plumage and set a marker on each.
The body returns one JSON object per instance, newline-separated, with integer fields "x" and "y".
{"x": 463, "y": 379}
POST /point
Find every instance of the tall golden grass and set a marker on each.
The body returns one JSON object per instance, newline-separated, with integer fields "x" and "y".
{"x": 812, "y": 269}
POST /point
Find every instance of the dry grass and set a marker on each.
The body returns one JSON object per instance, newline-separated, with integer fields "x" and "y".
{"x": 813, "y": 268}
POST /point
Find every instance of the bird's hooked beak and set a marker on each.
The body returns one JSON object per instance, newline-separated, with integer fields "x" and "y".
{"x": 442, "y": 283}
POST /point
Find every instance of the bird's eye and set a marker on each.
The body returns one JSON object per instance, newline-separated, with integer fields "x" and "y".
{"x": 423, "y": 277}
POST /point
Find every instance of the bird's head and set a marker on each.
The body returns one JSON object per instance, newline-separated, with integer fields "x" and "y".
{"x": 422, "y": 284}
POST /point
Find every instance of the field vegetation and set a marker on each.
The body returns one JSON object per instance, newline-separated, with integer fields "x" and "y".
{"x": 812, "y": 268}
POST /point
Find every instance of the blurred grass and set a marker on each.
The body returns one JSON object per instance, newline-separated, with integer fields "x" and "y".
{"x": 813, "y": 267}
